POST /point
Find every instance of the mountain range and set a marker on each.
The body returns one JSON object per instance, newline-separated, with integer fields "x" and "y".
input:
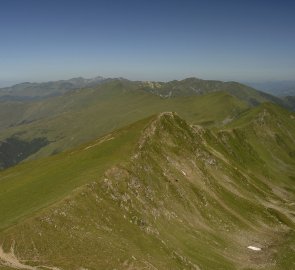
{"x": 122, "y": 174}
{"x": 33, "y": 127}
{"x": 27, "y": 90}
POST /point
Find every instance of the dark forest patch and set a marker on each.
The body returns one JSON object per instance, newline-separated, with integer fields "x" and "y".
{"x": 13, "y": 150}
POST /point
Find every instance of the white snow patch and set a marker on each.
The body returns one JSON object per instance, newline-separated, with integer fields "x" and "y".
{"x": 254, "y": 248}
{"x": 183, "y": 173}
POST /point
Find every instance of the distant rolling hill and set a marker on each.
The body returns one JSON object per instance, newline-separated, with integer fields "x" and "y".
{"x": 194, "y": 86}
{"x": 28, "y": 91}
{"x": 161, "y": 193}
{"x": 79, "y": 115}
{"x": 100, "y": 116}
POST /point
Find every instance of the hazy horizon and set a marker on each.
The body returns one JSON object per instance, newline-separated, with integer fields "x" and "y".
{"x": 4, "y": 84}
{"x": 151, "y": 40}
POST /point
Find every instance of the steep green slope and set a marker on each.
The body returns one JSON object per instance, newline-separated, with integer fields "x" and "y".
{"x": 270, "y": 130}
{"x": 184, "y": 198}
{"x": 33, "y": 185}
{"x": 83, "y": 115}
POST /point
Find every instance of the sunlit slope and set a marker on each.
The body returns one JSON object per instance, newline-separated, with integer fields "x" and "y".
{"x": 270, "y": 130}
{"x": 186, "y": 198}
{"x": 34, "y": 185}
{"x": 78, "y": 117}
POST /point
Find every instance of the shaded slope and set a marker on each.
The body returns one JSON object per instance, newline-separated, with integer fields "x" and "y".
{"x": 290, "y": 101}
{"x": 13, "y": 150}
{"x": 188, "y": 198}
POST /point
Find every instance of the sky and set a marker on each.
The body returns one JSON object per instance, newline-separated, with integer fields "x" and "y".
{"x": 42, "y": 40}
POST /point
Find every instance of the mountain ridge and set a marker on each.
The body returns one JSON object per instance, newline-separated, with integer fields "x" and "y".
{"x": 52, "y": 119}
{"x": 31, "y": 91}
{"x": 48, "y": 118}
{"x": 187, "y": 86}
{"x": 187, "y": 198}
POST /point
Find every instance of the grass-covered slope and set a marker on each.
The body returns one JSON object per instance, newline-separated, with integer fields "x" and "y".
{"x": 27, "y": 110}
{"x": 179, "y": 197}
{"x": 83, "y": 115}
{"x": 75, "y": 116}
{"x": 36, "y": 184}
{"x": 271, "y": 132}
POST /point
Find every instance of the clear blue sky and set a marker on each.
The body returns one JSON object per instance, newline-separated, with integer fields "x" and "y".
{"x": 148, "y": 40}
